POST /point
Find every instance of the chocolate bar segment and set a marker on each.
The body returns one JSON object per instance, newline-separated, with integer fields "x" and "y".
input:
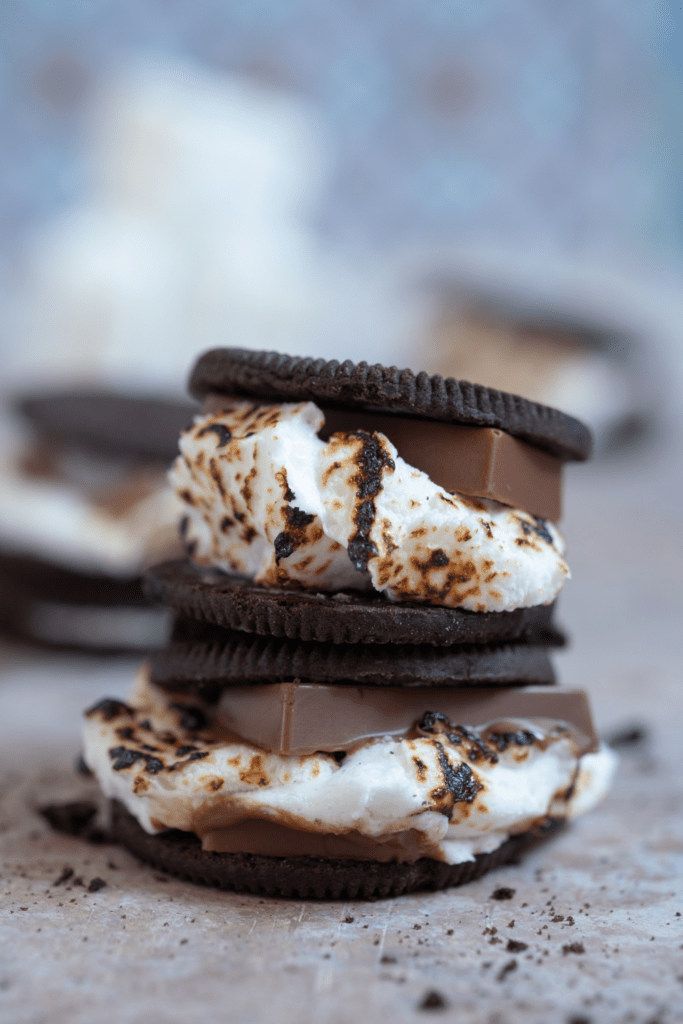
{"x": 301, "y": 718}
{"x": 482, "y": 462}
{"x": 280, "y": 378}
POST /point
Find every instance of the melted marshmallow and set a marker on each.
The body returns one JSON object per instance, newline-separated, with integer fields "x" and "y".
{"x": 265, "y": 497}
{"x": 62, "y": 525}
{"x": 457, "y": 801}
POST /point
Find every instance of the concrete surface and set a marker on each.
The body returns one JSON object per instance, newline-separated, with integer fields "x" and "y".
{"x": 598, "y": 910}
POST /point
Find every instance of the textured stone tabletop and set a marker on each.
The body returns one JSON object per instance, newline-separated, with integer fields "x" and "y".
{"x": 591, "y": 932}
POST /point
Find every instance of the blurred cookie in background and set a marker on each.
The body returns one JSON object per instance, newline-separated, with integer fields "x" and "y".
{"x": 84, "y": 508}
{"x": 546, "y": 354}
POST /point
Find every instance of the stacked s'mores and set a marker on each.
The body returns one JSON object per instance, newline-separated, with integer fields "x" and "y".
{"x": 357, "y": 699}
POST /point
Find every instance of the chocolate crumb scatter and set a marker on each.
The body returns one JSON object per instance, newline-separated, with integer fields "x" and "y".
{"x": 506, "y": 969}
{"x": 503, "y": 893}
{"x": 433, "y": 1000}
{"x": 372, "y": 461}
{"x": 573, "y": 947}
{"x": 96, "y": 884}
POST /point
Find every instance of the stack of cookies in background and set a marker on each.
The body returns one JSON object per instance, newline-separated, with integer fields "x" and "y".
{"x": 357, "y": 699}
{"x": 84, "y": 509}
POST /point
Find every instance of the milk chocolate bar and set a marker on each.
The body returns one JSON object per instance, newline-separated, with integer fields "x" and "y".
{"x": 301, "y": 718}
{"x": 482, "y": 462}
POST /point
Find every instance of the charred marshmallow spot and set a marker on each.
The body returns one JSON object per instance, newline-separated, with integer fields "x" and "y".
{"x": 372, "y": 460}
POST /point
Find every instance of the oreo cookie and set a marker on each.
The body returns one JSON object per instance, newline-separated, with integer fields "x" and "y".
{"x": 345, "y": 617}
{"x": 50, "y": 606}
{"x": 304, "y": 726}
{"x": 205, "y": 659}
{"x": 181, "y": 854}
{"x": 282, "y": 378}
{"x": 93, "y": 459}
{"x": 109, "y": 424}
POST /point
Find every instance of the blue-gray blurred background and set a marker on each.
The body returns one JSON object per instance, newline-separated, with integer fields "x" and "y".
{"x": 537, "y": 122}
{"x": 347, "y": 179}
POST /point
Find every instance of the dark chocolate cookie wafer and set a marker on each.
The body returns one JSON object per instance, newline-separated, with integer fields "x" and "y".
{"x": 360, "y": 386}
{"x": 113, "y": 424}
{"x": 205, "y": 659}
{"x": 49, "y": 605}
{"x": 341, "y": 618}
{"x": 181, "y": 854}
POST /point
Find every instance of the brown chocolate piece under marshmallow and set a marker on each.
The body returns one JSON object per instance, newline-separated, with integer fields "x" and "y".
{"x": 306, "y": 877}
{"x": 300, "y": 718}
{"x": 481, "y": 462}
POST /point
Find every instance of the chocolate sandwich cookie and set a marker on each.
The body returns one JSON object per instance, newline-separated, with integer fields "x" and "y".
{"x": 306, "y": 877}
{"x": 206, "y": 659}
{"x": 357, "y": 699}
{"x": 84, "y": 508}
{"x": 50, "y": 606}
{"x": 282, "y": 378}
{"x": 109, "y": 424}
{"x": 422, "y": 525}
{"x": 345, "y": 617}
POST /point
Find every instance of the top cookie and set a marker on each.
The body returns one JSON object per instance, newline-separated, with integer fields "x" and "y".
{"x": 283, "y": 378}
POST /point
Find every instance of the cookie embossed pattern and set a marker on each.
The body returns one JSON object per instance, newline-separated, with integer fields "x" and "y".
{"x": 357, "y": 698}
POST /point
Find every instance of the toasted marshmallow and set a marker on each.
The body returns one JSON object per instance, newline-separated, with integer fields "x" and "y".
{"x": 266, "y": 498}
{"x": 457, "y": 798}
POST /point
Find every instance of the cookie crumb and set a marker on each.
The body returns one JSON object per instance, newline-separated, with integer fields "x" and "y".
{"x": 514, "y": 946}
{"x": 573, "y": 947}
{"x": 96, "y": 884}
{"x": 503, "y": 893}
{"x": 433, "y": 1000}
{"x": 506, "y": 969}
{"x": 630, "y": 736}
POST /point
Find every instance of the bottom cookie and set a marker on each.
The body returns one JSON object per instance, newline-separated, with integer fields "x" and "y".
{"x": 181, "y": 854}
